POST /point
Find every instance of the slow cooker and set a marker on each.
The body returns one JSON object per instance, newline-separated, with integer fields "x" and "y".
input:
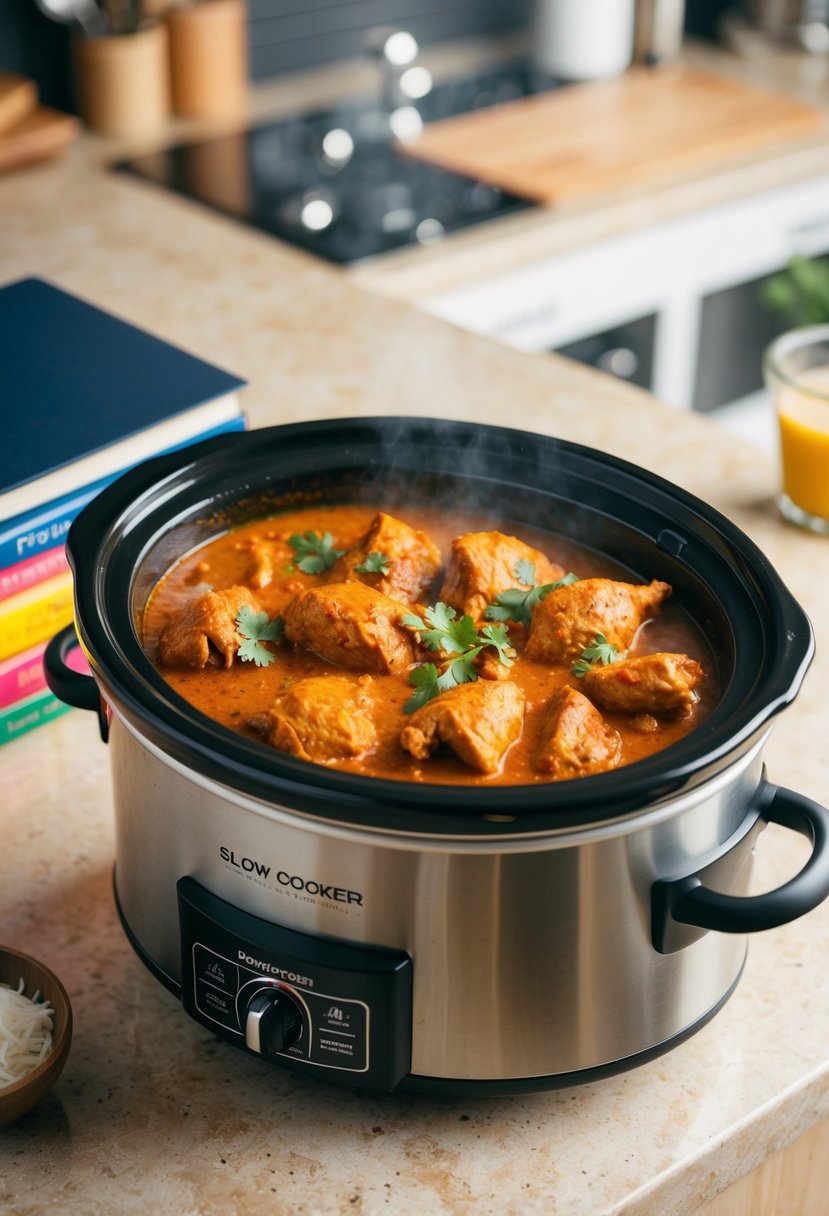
{"x": 389, "y": 935}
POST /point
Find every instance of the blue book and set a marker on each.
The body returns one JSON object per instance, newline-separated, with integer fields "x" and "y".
{"x": 85, "y": 395}
{"x": 46, "y": 526}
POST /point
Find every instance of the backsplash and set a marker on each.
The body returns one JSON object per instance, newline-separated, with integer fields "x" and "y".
{"x": 31, "y": 45}
{"x": 284, "y": 35}
{"x": 290, "y": 34}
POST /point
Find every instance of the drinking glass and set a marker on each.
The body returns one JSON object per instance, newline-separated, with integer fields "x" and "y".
{"x": 796, "y": 371}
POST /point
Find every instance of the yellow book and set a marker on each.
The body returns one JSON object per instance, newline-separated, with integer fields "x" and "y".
{"x": 35, "y": 615}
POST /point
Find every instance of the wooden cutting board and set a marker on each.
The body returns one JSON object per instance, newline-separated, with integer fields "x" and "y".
{"x": 42, "y": 133}
{"x": 18, "y": 97}
{"x": 639, "y": 129}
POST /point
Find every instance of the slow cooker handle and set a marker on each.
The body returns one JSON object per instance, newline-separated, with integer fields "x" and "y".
{"x": 70, "y": 686}
{"x": 686, "y": 902}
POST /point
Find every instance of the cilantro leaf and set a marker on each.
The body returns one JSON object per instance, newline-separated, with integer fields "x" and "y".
{"x": 424, "y": 680}
{"x": 254, "y": 628}
{"x": 600, "y": 654}
{"x": 314, "y": 553}
{"x": 375, "y": 563}
{"x": 517, "y": 605}
{"x": 419, "y": 626}
{"x": 461, "y": 635}
{"x": 459, "y": 642}
{"x": 525, "y": 572}
{"x": 443, "y": 630}
{"x": 509, "y": 606}
{"x": 460, "y": 670}
{"x": 428, "y": 683}
{"x": 498, "y": 636}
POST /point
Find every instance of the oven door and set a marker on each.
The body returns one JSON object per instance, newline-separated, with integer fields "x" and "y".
{"x": 625, "y": 350}
{"x": 676, "y": 307}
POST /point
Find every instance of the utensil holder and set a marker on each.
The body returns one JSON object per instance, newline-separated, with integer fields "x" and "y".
{"x": 123, "y": 81}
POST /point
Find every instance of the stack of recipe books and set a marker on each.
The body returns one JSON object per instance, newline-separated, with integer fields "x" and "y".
{"x": 84, "y": 396}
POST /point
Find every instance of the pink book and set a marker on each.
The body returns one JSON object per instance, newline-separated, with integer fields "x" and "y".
{"x": 22, "y": 675}
{"x": 31, "y": 571}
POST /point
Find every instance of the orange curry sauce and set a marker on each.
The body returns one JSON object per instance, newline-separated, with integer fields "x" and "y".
{"x": 231, "y": 696}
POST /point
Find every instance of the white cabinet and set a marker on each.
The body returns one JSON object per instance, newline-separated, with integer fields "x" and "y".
{"x": 696, "y": 277}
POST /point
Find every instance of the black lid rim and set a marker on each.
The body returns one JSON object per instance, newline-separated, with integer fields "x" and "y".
{"x": 133, "y": 685}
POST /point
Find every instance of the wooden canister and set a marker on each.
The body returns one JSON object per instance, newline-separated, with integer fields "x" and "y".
{"x": 209, "y": 58}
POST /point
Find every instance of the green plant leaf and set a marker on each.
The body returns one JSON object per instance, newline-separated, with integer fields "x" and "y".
{"x": 517, "y": 605}
{"x": 459, "y": 642}
{"x": 314, "y": 553}
{"x": 254, "y": 628}
{"x": 600, "y": 654}
{"x": 424, "y": 680}
{"x": 800, "y": 293}
{"x": 375, "y": 563}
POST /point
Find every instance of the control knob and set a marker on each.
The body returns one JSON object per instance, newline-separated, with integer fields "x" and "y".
{"x": 273, "y": 1022}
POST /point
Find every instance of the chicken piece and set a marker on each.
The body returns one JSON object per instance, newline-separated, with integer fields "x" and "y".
{"x": 490, "y": 667}
{"x": 260, "y": 572}
{"x": 479, "y": 721}
{"x": 643, "y": 724}
{"x": 575, "y": 739}
{"x": 482, "y": 564}
{"x": 321, "y": 718}
{"x": 646, "y": 684}
{"x": 205, "y": 626}
{"x": 412, "y": 561}
{"x": 352, "y": 626}
{"x": 568, "y": 620}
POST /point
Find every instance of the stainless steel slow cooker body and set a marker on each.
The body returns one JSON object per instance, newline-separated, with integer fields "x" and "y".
{"x": 386, "y": 934}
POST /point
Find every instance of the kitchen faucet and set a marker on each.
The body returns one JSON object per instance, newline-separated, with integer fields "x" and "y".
{"x": 395, "y": 51}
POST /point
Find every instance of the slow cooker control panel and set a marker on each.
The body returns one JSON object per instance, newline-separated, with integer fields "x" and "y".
{"x": 341, "y": 1011}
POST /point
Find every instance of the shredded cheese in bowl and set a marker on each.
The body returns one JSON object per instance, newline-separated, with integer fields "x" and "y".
{"x": 25, "y": 1033}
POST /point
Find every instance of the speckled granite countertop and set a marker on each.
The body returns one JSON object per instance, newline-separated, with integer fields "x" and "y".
{"x": 152, "y": 1114}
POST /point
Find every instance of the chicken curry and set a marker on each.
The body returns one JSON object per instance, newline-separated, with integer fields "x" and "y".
{"x": 418, "y": 648}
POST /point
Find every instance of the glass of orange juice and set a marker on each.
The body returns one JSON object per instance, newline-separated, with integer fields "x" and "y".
{"x": 796, "y": 370}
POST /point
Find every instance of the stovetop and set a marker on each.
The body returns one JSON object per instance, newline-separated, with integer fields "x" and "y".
{"x": 338, "y": 182}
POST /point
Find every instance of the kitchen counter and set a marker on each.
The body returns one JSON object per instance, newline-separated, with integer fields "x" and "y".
{"x": 152, "y": 1113}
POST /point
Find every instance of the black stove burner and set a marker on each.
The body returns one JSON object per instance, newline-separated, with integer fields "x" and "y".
{"x": 335, "y": 182}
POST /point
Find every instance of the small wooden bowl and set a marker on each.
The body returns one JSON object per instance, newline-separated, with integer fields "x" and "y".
{"x": 21, "y": 1096}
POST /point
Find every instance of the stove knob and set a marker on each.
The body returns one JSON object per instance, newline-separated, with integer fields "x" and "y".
{"x": 273, "y": 1022}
